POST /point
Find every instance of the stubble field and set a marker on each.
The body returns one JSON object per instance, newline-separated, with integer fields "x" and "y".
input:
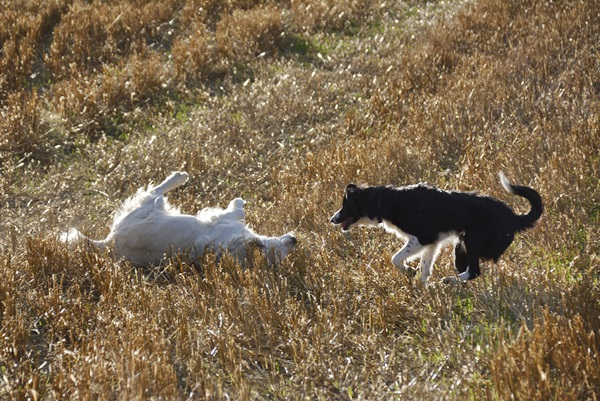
{"x": 284, "y": 103}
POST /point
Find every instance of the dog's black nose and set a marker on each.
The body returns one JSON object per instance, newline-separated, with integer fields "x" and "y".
{"x": 294, "y": 240}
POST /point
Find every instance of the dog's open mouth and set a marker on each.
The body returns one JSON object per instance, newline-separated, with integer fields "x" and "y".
{"x": 348, "y": 222}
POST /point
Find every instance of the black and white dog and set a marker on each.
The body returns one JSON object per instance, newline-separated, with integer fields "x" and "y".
{"x": 480, "y": 226}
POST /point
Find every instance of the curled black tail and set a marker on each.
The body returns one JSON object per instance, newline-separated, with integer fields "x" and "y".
{"x": 530, "y": 219}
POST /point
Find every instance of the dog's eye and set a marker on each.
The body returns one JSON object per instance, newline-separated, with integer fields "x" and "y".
{"x": 351, "y": 206}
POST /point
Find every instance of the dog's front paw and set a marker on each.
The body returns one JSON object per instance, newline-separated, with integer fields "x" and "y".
{"x": 180, "y": 177}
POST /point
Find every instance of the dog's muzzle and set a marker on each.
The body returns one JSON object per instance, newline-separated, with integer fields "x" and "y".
{"x": 335, "y": 219}
{"x": 346, "y": 223}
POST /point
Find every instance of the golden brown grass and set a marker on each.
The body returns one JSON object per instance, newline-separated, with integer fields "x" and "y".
{"x": 283, "y": 103}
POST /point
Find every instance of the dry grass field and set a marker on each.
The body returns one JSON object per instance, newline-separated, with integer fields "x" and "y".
{"x": 283, "y": 103}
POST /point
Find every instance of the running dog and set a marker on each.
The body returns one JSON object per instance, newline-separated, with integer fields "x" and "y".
{"x": 146, "y": 230}
{"x": 481, "y": 227}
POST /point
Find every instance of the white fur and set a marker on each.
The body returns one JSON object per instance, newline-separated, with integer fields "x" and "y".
{"x": 413, "y": 249}
{"x": 146, "y": 230}
{"x": 364, "y": 222}
{"x": 505, "y": 182}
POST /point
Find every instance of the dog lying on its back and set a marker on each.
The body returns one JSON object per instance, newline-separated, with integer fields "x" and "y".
{"x": 146, "y": 230}
{"x": 481, "y": 226}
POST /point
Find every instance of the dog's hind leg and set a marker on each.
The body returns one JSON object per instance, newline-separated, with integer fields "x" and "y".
{"x": 427, "y": 261}
{"x": 412, "y": 248}
{"x": 461, "y": 259}
{"x": 235, "y": 210}
{"x": 472, "y": 269}
{"x": 173, "y": 181}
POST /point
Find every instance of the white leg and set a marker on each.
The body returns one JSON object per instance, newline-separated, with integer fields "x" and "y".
{"x": 427, "y": 261}
{"x": 412, "y": 248}
{"x": 171, "y": 182}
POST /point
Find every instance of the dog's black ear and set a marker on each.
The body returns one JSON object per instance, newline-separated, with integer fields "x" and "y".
{"x": 350, "y": 187}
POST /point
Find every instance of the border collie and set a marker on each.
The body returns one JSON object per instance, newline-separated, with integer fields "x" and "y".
{"x": 481, "y": 227}
{"x": 147, "y": 230}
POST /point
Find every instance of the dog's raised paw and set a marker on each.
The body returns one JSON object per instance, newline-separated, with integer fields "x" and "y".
{"x": 181, "y": 177}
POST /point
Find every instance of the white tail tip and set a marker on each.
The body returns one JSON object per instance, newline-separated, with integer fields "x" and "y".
{"x": 73, "y": 236}
{"x": 505, "y": 182}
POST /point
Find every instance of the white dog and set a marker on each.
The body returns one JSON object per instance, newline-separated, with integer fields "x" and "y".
{"x": 147, "y": 230}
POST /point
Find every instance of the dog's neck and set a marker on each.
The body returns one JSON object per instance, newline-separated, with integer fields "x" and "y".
{"x": 384, "y": 200}
{"x": 376, "y": 212}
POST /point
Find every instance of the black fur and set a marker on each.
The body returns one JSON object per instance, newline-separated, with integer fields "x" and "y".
{"x": 485, "y": 226}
